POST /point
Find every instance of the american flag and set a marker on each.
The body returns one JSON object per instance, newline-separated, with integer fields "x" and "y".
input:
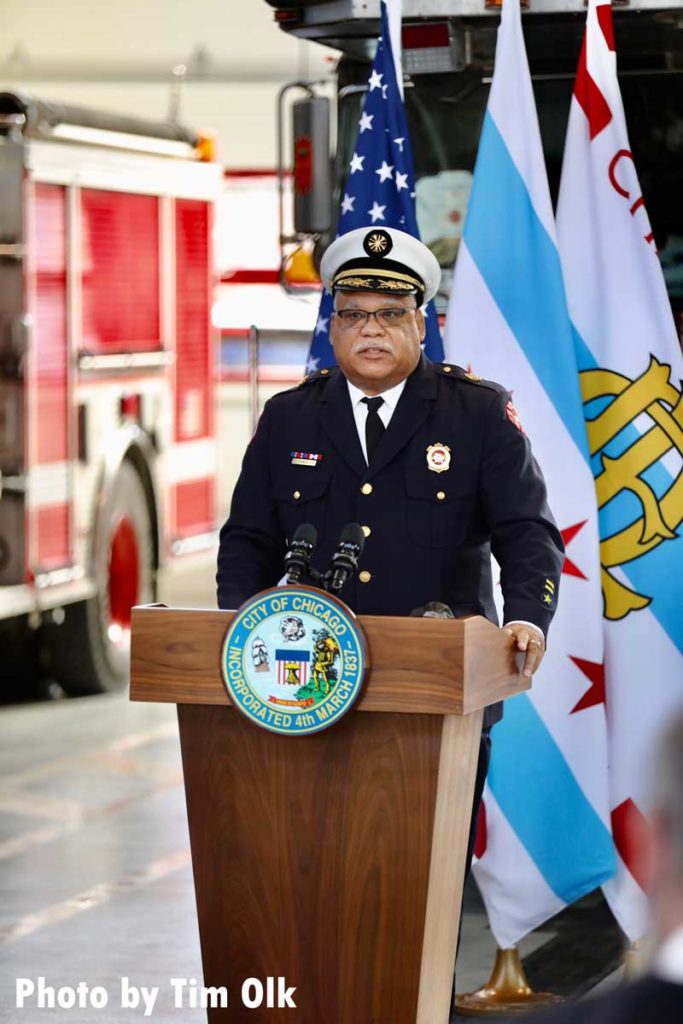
{"x": 379, "y": 188}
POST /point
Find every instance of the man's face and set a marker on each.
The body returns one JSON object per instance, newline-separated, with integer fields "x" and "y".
{"x": 377, "y": 355}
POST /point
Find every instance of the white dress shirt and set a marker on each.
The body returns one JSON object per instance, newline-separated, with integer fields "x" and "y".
{"x": 360, "y": 409}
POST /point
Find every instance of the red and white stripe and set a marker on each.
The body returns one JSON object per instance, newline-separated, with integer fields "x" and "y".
{"x": 282, "y": 673}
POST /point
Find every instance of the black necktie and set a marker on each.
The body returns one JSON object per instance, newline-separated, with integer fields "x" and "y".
{"x": 374, "y": 428}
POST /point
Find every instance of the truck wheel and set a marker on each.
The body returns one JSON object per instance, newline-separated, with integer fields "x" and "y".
{"x": 89, "y": 651}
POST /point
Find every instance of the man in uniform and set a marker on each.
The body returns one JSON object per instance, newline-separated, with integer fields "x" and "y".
{"x": 430, "y": 460}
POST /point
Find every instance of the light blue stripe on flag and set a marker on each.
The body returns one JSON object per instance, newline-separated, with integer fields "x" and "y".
{"x": 529, "y": 291}
{"x": 537, "y": 317}
{"x": 526, "y": 761}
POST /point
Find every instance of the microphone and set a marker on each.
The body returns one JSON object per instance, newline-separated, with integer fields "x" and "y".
{"x": 298, "y": 557}
{"x": 345, "y": 558}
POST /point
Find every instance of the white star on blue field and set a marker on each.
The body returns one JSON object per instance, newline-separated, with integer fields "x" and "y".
{"x": 379, "y": 187}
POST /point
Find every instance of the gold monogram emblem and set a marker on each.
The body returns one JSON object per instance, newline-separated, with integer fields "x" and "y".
{"x": 653, "y": 395}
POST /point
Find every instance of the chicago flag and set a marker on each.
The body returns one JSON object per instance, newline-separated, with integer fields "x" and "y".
{"x": 630, "y": 370}
{"x": 544, "y": 838}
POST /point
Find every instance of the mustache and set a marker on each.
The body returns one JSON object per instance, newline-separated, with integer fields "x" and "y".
{"x": 377, "y": 346}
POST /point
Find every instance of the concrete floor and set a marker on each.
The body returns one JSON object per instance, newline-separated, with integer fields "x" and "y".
{"x": 95, "y": 875}
{"x": 95, "y": 878}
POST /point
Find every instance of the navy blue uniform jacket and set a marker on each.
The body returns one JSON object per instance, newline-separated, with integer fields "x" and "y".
{"x": 431, "y": 534}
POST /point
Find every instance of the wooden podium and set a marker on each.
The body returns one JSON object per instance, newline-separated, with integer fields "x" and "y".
{"x": 334, "y": 860}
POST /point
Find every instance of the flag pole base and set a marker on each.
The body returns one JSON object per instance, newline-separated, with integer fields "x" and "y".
{"x": 635, "y": 960}
{"x": 507, "y": 992}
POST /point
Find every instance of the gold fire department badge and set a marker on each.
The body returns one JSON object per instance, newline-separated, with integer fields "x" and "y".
{"x": 438, "y": 458}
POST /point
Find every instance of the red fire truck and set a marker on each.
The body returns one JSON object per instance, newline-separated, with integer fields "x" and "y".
{"x": 107, "y": 418}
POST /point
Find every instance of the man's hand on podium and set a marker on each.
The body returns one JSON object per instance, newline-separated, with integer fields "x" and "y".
{"x": 529, "y": 639}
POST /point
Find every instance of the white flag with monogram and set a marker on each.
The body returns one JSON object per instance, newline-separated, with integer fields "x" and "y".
{"x": 631, "y": 369}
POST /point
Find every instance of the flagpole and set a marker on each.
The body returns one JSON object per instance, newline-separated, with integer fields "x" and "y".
{"x": 395, "y": 19}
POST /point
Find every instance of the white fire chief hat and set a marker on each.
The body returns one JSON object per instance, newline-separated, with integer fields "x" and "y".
{"x": 381, "y": 260}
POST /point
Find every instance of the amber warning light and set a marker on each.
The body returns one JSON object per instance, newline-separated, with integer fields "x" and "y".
{"x": 499, "y": 3}
{"x": 206, "y": 146}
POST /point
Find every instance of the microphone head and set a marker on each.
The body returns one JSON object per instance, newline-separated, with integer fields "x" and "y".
{"x": 353, "y": 534}
{"x": 306, "y": 534}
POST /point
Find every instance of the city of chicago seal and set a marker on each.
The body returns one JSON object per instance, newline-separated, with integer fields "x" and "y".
{"x": 293, "y": 660}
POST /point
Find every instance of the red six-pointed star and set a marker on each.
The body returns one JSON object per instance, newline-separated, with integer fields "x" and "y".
{"x": 568, "y": 534}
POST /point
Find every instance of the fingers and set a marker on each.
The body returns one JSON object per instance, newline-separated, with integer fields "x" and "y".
{"x": 531, "y": 641}
{"x": 534, "y": 657}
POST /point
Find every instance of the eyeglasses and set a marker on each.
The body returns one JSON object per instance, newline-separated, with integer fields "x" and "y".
{"x": 390, "y": 317}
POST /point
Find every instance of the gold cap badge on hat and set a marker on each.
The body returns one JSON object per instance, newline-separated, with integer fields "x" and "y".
{"x": 377, "y": 243}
